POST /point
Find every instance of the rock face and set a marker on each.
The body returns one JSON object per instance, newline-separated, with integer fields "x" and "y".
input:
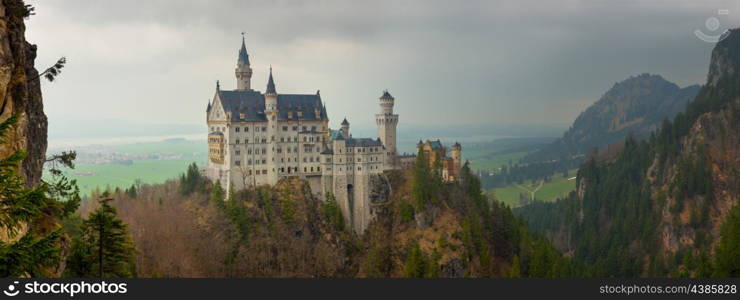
{"x": 20, "y": 92}
{"x": 636, "y": 105}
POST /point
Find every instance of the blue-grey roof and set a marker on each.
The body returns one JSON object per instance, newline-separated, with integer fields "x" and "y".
{"x": 363, "y": 142}
{"x": 327, "y": 151}
{"x": 345, "y": 122}
{"x": 386, "y": 95}
{"x": 436, "y": 144}
{"x": 252, "y": 105}
{"x": 335, "y": 135}
{"x": 217, "y": 133}
{"x": 270, "y": 84}
{"x": 243, "y": 56}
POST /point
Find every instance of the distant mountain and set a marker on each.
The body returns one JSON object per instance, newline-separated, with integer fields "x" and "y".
{"x": 636, "y": 105}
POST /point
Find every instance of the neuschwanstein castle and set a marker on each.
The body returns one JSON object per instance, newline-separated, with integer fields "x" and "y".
{"x": 258, "y": 138}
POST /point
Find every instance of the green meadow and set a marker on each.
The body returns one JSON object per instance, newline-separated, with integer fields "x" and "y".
{"x": 558, "y": 187}
{"x": 90, "y": 176}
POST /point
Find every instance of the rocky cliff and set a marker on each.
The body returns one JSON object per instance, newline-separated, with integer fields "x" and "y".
{"x": 20, "y": 92}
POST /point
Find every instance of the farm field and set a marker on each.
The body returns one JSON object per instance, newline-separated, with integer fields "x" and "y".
{"x": 149, "y": 162}
{"x": 558, "y": 187}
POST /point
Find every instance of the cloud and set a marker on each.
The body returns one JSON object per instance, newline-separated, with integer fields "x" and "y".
{"x": 458, "y": 62}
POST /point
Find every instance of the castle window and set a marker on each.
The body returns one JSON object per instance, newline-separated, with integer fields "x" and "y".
{"x": 289, "y": 149}
{"x": 304, "y": 128}
{"x": 304, "y": 170}
{"x": 282, "y": 139}
{"x": 246, "y": 141}
{"x": 295, "y": 128}
{"x": 311, "y": 169}
{"x": 359, "y": 168}
{"x": 249, "y": 151}
{"x": 264, "y": 172}
{"x": 264, "y": 161}
{"x": 238, "y": 152}
{"x": 285, "y": 128}
{"x": 256, "y": 129}
{"x": 246, "y": 129}
{"x": 250, "y": 172}
{"x": 311, "y": 159}
{"x": 238, "y": 162}
{"x": 236, "y": 129}
{"x": 249, "y": 162}
{"x": 237, "y": 141}
{"x": 304, "y": 159}
{"x": 264, "y": 128}
{"x": 313, "y": 128}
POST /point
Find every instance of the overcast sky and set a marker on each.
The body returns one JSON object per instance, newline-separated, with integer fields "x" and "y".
{"x": 455, "y": 62}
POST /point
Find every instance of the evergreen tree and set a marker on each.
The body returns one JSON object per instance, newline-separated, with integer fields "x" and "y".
{"x": 30, "y": 250}
{"x": 420, "y": 190}
{"x": 332, "y": 212}
{"x": 416, "y": 262}
{"x": 105, "y": 248}
{"x": 727, "y": 254}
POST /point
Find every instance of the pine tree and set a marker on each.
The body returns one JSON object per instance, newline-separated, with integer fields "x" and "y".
{"x": 420, "y": 191}
{"x": 30, "y": 251}
{"x": 727, "y": 257}
{"x": 105, "y": 248}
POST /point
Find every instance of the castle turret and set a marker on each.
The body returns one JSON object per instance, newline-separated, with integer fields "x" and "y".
{"x": 243, "y": 70}
{"x": 457, "y": 157}
{"x": 270, "y": 96}
{"x": 387, "y": 122}
{"x": 271, "y": 112}
{"x": 345, "y": 128}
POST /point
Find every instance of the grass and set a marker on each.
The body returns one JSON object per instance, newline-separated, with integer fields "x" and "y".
{"x": 492, "y": 162}
{"x": 558, "y": 187}
{"x": 149, "y": 171}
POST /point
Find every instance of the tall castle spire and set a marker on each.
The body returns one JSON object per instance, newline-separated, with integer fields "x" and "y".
{"x": 243, "y": 70}
{"x": 243, "y": 56}
{"x": 270, "y": 84}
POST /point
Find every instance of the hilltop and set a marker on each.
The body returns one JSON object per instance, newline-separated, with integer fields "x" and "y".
{"x": 636, "y": 105}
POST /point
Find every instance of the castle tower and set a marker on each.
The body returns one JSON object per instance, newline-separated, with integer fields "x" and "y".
{"x": 243, "y": 71}
{"x": 387, "y": 122}
{"x": 345, "y": 128}
{"x": 457, "y": 158}
{"x": 271, "y": 112}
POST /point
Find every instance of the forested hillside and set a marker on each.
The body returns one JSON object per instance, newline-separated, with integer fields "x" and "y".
{"x": 666, "y": 205}
{"x": 189, "y": 228}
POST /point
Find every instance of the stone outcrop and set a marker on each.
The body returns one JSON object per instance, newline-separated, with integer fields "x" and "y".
{"x": 20, "y": 92}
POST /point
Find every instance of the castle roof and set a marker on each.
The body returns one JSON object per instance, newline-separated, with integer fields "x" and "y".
{"x": 336, "y": 135}
{"x": 345, "y": 122}
{"x": 363, "y": 142}
{"x": 270, "y": 84}
{"x": 243, "y": 56}
{"x": 434, "y": 144}
{"x": 252, "y": 105}
{"x": 386, "y": 95}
